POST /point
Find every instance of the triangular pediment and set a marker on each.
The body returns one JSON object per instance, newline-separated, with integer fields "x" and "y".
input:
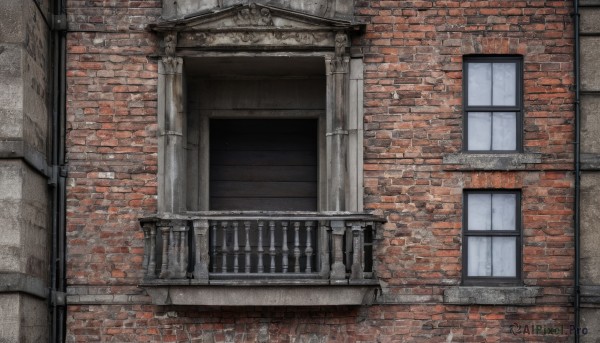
{"x": 253, "y": 17}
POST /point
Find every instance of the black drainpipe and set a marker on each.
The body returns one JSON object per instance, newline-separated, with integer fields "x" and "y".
{"x": 577, "y": 170}
{"x": 57, "y": 291}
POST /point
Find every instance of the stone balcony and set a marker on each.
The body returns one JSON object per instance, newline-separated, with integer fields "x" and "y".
{"x": 260, "y": 258}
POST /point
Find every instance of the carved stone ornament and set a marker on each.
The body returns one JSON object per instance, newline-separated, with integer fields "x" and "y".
{"x": 170, "y": 43}
{"x": 172, "y": 64}
{"x": 341, "y": 41}
{"x": 253, "y": 16}
{"x": 249, "y": 37}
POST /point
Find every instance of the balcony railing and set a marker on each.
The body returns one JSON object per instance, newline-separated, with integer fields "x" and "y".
{"x": 198, "y": 248}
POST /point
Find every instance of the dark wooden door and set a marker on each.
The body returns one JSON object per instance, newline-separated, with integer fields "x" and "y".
{"x": 263, "y": 164}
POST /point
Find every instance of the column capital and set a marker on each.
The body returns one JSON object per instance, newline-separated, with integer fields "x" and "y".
{"x": 171, "y": 65}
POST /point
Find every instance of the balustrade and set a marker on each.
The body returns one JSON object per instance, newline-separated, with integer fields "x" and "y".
{"x": 283, "y": 246}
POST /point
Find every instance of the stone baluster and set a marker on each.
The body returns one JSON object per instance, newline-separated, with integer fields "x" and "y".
{"x": 201, "y": 243}
{"x": 247, "y": 248}
{"x": 146, "y": 229}
{"x": 358, "y": 252}
{"x": 297, "y": 247}
{"x": 348, "y": 247}
{"x": 165, "y": 230}
{"x": 213, "y": 248}
{"x": 260, "y": 267}
{"x": 179, "y": 250}
{"x": 224, "y": 247}
{"x": 152, "y": 262}
{"x": 309, "y": 250}
{"x": 236, "y": 247}
{"x": 338, "y": 269}
{"x": 149, "y": 250}
{"x": 324, "y": 233}
{"x": 272, "y": 246}
{"x": 284, "y": 248}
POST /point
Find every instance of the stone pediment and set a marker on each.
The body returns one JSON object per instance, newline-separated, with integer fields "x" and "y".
{"x": 256, "y": 26}
{"x": 252, "y": 16}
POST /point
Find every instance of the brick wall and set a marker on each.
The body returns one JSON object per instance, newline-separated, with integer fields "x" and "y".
{"x": 413, "y": 119}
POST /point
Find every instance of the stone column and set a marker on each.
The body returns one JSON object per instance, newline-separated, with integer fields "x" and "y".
{"x": 337, "y": 133}
{"x": 171, "y": 170}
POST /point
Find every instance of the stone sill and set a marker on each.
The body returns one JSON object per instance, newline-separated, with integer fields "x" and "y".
{"x": 492, "y": 161}
{"x": 474, "y": 295}
{"x": 252, "y": 294}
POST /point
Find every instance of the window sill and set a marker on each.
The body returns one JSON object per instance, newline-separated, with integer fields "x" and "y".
{"x": 492, "y": 161}
{"x": 474, "y": 295}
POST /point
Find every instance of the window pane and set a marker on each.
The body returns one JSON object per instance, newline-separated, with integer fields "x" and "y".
{"x": 504, "y": 255}
{"x": 480, "y": 128}
{"x": 504, "y": 135}
{"x": 503, "y": 211}
{"x": 480, "y": 256}
{"x": 479, "y": 209}
{"x": 480, "y": 84}
{"x": 505, "y": 84}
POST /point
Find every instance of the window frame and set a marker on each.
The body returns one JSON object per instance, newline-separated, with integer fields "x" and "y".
{"x": 518, "y": 108}
{"x": 517, "y": 233}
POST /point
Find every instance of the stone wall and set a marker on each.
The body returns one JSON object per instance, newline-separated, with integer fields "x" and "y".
{"x": 24, "y": 214}
{"x": 413, "y": 137}
{"x": 590, "y": 155}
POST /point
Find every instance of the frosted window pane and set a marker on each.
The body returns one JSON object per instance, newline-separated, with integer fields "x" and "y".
{"x": 479, "y": 210}
{"x": 480, "y": 128}
{"x": 480, "y": 84}
{"x": 504, "y": 135}
{"x": 480, "y": 256}
{"x": 505, "y": 84}
{"x": 504, "y": 254}
{"x": 503, "y": 211}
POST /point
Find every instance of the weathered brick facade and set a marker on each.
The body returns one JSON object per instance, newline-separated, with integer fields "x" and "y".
{"x": 413, "y": 53}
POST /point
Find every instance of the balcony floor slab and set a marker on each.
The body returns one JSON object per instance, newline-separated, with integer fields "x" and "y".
{"x": 243, "y": 293}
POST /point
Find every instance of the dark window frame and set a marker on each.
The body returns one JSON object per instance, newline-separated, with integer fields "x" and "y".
{"x": 518, "y": 233}
{"x": 518, "y": 108}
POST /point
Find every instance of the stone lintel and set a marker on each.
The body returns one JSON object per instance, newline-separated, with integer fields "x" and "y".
{"x": 467, "y": 295}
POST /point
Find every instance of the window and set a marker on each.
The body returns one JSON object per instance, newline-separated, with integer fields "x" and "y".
{"x": 491, "y": 237}
{"x": 493, "y": 103}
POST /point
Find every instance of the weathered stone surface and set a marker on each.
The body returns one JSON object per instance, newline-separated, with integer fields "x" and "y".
{"x": 492, "y": 161}
{"x": 282, "y": 295}
{"x": 23, "y": 246}
{"x": 12, "y": 25}
{"x": 11, "y": 95}
{"x": 322, "y": 8}
{"x": 18, "y": 282}
{"x": 35, "y": 81}
{"x": 590, "y": 62}
{"x": 590, "y": 20}
{"x": 22, "y": 319}
{"x": 10, "y": 317}
{"x": 590, "y": 123}
{"x": 492, "y": 295}
{"x": 590, "y": 216}
{"x": 34, "y": 320}
{"x": 590, "y": 321}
